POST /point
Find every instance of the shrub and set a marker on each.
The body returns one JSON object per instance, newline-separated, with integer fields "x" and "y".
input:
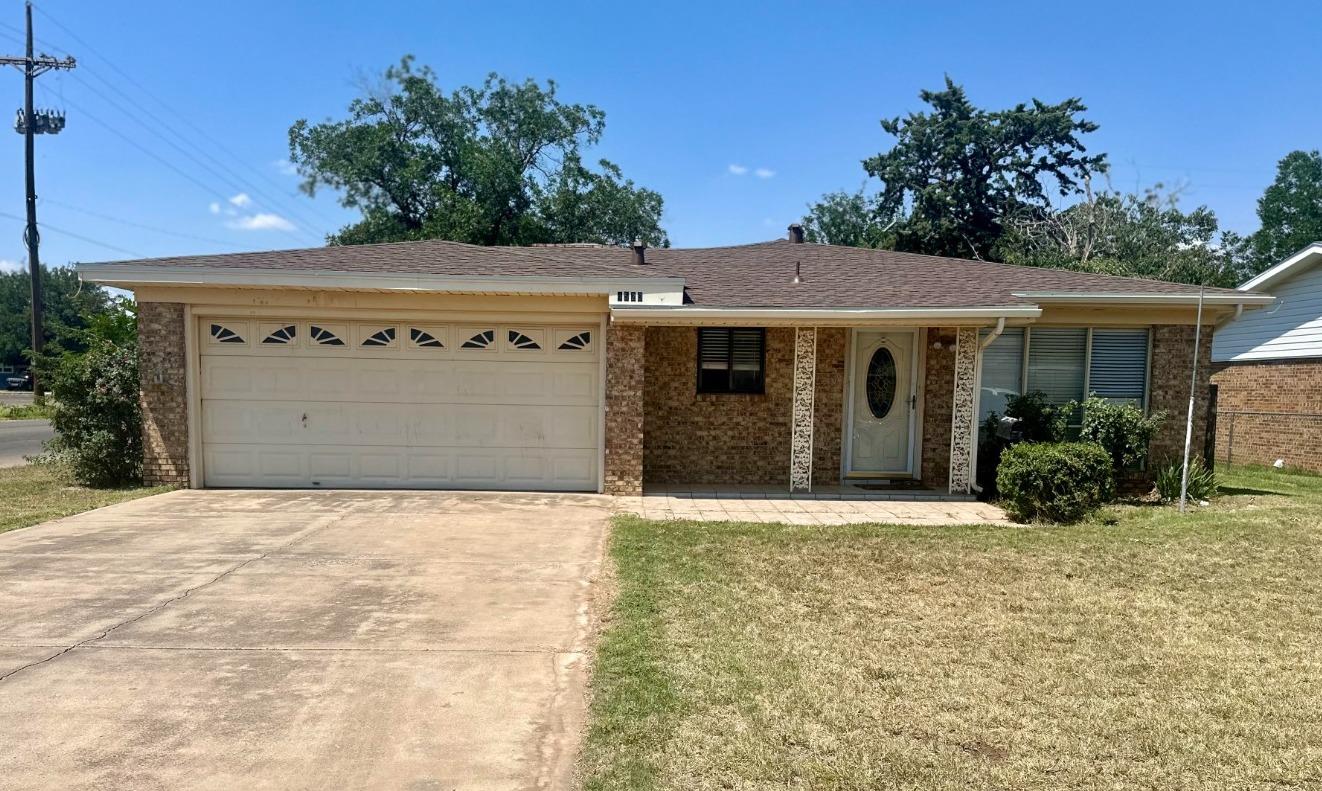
{"x": 1054, "y": 481}
{"x": 1122, "y": 429}
{"x": 1202, "y": 480}
{"x": 97, "y": 421}
{"x": 1039, "y": 421}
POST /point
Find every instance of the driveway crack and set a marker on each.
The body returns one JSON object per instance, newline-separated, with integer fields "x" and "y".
{"x": 299, "y": 537}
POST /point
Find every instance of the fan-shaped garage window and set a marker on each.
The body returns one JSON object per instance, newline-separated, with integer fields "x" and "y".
{"x": 383, "y": 337}
{"x": 324, "y": 337}
{"x": 881, "y": 383}
{"x": 481, "y": 340}
{"x": 284, "y": 335}
{"x": 224, "y": 334}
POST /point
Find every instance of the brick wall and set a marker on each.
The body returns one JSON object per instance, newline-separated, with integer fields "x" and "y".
{"x": 163, "y": 393}
{"x": 736, "y": 439}
{"x": 1291, "y": 390}
{"x": 938, "y": 405}
{"x": 1172, "y": 356}
{"x": 626, "y": 347}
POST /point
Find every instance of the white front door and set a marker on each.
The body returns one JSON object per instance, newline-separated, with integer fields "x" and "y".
{"x": 881, "y": 402}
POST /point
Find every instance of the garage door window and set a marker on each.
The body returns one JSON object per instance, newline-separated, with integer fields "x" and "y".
{"x": 425, "y": 339}
{"x": 480, "y": 340}
{"x": 222, "y": 334}
{"x": 325, "y": 336}
{"x": 282, "y": 335}
{"x": 577, "y": 342}
{"x": 382, "y": 337}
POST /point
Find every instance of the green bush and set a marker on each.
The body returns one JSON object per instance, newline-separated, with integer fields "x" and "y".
{"x": 1122, "y": 429}
{"x": 1202, "y": 481}
{"x": 1054, "y": 481}
{"x": 95, "y": 414}
{"x": 1039, "y": 421}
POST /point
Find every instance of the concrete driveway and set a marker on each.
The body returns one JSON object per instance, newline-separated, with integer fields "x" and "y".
{"x": 285, "y": 640}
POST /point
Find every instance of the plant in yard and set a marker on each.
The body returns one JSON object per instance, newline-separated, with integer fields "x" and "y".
{"x": 1202, "y": 480}
{"x": 96, "y": 417}
{"x": 1054, "y": 481}
{"x": 1039, "y": 421}
{"x": 1122, "y": 429}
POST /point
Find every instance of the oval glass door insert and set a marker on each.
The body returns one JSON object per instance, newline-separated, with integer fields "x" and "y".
{"x": 880, "y": 384}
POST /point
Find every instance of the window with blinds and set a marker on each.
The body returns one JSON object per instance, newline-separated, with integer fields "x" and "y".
{"x": 731, "y": 360}
{"x": 1056, "y": 363}
{"x": 1002, "y": 371}
{"x": 1118, "y": 365}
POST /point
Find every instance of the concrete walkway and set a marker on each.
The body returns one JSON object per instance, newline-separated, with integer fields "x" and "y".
{"x": 783, "y": 509}
{"x": 290, "y": 640}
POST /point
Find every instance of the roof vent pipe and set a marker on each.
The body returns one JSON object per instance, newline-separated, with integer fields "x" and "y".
{"x": 639, "y": 252}
{"x": 798, "y": 272}
{"x": 796, "y": 233}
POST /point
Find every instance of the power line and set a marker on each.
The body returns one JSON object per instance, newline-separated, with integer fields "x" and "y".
{"x": 143, "y": 226}
{"x": 168, "y": 108}
{"x": 77, "y": 236}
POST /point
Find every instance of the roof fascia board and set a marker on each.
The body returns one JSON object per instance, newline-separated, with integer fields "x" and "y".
{"x": 987, "y": 314}
{"x": 1106, "y": 298}
{"x": 387, "y": 281}
{"x": 1300, "y": 260}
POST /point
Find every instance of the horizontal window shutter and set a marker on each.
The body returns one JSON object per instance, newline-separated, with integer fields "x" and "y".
{"x": 1119, "y": 365}
{"x": 1055, "y": 363}
{"x": 747, "y": 349}
{"x": 714, "y": 348}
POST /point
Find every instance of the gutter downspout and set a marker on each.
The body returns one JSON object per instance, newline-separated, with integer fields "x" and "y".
{"x": 977, "y": 400}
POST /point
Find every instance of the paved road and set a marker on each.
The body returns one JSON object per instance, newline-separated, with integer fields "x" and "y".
{"x": 299, "y": 640}
{"x": 20, "y": 438}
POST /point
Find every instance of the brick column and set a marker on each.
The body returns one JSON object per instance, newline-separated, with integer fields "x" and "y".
{"x": 1172, "y": 366}
{"x": 801, "y": 413}
{"x": 961, "y": 413}
{"x": 625, "y": 346}
{"x": 163, "y": 393}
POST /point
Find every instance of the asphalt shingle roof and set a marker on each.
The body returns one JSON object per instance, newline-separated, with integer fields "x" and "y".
{"x": 752, "y": 275}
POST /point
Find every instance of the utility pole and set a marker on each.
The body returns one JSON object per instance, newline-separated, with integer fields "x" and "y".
{"x": 29, "y": 124}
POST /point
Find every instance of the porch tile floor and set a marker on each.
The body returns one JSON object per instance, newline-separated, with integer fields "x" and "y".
{"x": 749, "y": 504}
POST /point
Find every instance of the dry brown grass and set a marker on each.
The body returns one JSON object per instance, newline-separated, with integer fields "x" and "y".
{"x": 37, "y": 492}
{"x": 1143, "y": 650}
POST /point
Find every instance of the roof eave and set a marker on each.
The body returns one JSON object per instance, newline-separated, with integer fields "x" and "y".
{"x": 1117, "y": 298}
{"x": 988, "y": 314}
{"x": 1303, "y": 259}
{"x": 128, "y": 276}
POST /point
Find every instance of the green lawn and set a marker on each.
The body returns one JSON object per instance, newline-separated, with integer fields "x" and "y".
{"x": 37, "y": 492}
{"x": 1141, "y": 650}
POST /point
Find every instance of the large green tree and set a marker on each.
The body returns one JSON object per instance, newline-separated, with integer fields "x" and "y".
{"x": 956, "y": 171}
{"x": 500, "y": 164}
{"x": 1111, "y": 233}
{"x": 1290, "y": 210}
{"x": 70, "y": 305}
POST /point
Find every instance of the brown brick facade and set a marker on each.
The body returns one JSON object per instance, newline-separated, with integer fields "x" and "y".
{"x": 736, "y": 439}
{"x": 626, "y": 348}
{"x": 938, "y": 405}
{"x": 1270, "y": 410}
{"x": 163, "y": 393}
{"x": 1172, "y": 356}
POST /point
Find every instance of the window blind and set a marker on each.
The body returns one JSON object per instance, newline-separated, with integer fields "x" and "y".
{"x": 1002, "y": 370}
{"x": 1056, "y": 361}
{"x": 1119, "y": 364}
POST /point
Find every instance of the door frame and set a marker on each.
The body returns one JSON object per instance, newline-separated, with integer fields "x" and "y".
{"x": 851, "y": 389}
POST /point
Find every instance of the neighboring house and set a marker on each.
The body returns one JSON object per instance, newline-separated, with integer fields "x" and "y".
{"x": 437, "y": 364}
{"x": 1268, "y": 370}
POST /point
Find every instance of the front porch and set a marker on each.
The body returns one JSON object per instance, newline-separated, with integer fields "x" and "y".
{"x": 812, "y": 430}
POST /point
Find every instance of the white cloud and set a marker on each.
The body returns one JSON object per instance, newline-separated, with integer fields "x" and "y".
{"x": 262, "y": 221}
{"x": 285, "y": 167}
{"x": 764, "y": 173}
{"x": 241, "y": 200}
{"x": 738, "y": 170}
{"x": 214, "y": 208}
{"x": 8, "y": 267}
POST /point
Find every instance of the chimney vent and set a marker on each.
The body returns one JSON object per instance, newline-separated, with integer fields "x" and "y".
{"x": 639, "y": 252}
{"x": 796, "y": 233}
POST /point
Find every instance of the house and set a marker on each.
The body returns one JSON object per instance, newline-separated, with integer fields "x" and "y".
{"x": 588, "y": 368}
{"x": 1268, "y": 370}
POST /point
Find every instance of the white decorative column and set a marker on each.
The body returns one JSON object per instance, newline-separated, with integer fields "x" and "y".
{"x": 801, "y": 419}
{"x": 961, "y": 412}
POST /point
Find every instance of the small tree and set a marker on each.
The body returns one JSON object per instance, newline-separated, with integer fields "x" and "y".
{"x": 1122, "y": 429}
{"x": 96, "y": 417}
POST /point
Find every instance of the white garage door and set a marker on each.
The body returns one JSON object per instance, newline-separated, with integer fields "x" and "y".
{"x": 398, "y": 404}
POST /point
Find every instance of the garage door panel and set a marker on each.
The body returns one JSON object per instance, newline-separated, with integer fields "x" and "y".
{"x": 397, "y": 416}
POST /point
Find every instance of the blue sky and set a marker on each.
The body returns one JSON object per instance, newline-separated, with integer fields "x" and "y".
{"x": 1208, "y": 94}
